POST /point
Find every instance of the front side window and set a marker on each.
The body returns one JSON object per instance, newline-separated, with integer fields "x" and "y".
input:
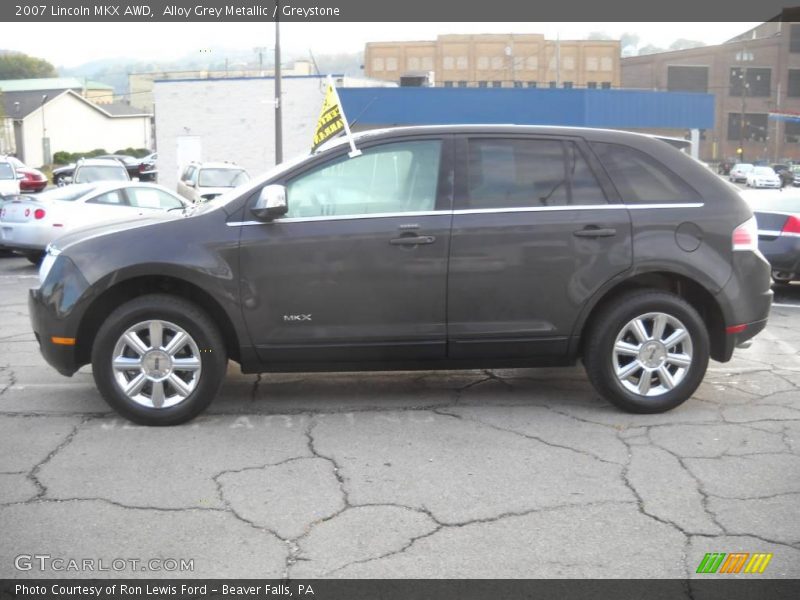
{"x": 143, "y": 197}
{"x": 392, "y": 178}
{"x": 520, "y": 173}
{"x": 640, "y": 178}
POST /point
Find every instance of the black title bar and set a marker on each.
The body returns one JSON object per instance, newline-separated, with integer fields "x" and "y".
{"x": 398, "y": 11}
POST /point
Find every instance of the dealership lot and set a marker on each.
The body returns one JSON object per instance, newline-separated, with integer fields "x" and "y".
{"x": 518, "y": 473}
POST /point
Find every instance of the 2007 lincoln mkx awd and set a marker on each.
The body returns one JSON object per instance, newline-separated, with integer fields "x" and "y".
{"x": 436, "y": 248}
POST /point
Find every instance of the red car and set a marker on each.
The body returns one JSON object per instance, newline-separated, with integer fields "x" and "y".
{"x": 33, "y": 179}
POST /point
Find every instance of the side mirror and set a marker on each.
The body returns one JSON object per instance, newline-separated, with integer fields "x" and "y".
{"x": 20, "y": 176}
{"x": 271, "y": 203}
{"x": 189, "y": 183}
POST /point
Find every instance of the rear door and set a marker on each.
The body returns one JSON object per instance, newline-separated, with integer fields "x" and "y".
{"x": 533, "y": 237}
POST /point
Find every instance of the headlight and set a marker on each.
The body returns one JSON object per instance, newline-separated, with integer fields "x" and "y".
{"x": 47, "y": 262}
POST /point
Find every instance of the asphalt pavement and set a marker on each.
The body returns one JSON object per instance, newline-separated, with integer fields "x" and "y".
{"x": 505, "y": 473}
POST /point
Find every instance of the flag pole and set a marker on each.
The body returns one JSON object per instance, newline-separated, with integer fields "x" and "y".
{"x": 353, "y": 150}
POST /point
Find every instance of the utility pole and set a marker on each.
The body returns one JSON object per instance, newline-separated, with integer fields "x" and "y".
{"x": 278, "y": 119}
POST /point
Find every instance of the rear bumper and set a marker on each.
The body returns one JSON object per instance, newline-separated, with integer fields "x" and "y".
{"x": 27, "y": 237}
{"x": 782, "y": 252}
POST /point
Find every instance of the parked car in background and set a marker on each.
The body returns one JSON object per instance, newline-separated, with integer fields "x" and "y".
{"x": 90, "y": 170}
{"x": 33, "y": 180}
{"x": 201, "y": 182}
{"x": 778, "y": 219}
{"x": 796, "y": 175}
{"x": 9, "y": 179}
{"x": 557, "y": 244}
{"x": 62, "y": 175}
{"x": 147, "y": 168}
{"x": 784, "y": 171}
{"x": 29, "y": 223}
{"x": 763, "y": 177}
{"x": 739, "y": 172}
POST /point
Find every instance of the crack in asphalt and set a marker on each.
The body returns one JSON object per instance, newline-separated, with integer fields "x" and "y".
{"x": 33, "y": 474}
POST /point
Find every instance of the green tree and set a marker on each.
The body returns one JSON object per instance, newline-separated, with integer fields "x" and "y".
{"x": 15, "y": 65}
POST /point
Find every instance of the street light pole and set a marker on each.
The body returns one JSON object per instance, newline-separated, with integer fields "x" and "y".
{"x": 278, "y": 118}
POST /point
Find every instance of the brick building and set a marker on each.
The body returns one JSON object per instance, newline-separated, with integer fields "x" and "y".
{"x": 755, "y": 79}
{"x": 498, "y": 60}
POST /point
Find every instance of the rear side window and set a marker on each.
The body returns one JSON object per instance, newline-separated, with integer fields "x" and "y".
{"x": 520, "y": 173}
{"x": 640, "y": 178}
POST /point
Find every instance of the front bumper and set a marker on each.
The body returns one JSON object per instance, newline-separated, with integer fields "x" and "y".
{"x": 62, "y": 358}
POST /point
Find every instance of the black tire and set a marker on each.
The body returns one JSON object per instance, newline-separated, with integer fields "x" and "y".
{"x": 598, "y": 354}
{"x": 34, "y": 257}
{"x": 195, "y": 322}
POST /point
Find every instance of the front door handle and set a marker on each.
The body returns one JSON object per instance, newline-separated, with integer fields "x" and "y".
{"x": 412, "y": 240}
{"x": 595, "y": 232}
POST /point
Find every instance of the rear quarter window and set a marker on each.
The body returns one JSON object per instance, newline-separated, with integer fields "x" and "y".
{"x": 640, "y": 178}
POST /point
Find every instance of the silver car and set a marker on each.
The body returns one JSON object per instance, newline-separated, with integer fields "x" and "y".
{"x": 29, "y": 223}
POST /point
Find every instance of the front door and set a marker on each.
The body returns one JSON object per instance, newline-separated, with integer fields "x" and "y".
{"x": 533, "y": 238}
{"x": 356, "y": 271}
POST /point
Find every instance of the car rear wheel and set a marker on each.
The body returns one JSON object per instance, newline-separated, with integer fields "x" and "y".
{"x": 34, "y": 257}
{"x": 159, "y": 360}
{"x": 647, "y": 352}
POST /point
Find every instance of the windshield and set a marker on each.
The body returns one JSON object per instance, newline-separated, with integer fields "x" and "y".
{"x": 90, "y": 173}
{"x": 222, "y": 177}
{"x": 743, "y": 167}
{"x": 763, "y": 171}
{"x": 7, "y": 171}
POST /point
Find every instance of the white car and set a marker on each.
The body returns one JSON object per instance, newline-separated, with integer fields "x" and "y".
{"x": 9, "y": 180}
{"x": 763, "y": 177}
{"x": 29, "y": 223}
{"x": 739, "y": 172}
{"x": 201, "y": 182}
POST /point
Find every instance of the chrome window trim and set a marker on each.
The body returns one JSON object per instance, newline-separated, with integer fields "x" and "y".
{"x": 778, "y": 233}
{"x": 471, "y": 211}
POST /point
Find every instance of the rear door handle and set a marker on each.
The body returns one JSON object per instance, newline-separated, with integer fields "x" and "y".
{"x": 412, "y": 240}
{"x": 595, "y": 232}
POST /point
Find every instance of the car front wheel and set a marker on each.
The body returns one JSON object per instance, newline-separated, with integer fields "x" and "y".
{"x": 647, "y": 352}
{"x": 159, "y": 360}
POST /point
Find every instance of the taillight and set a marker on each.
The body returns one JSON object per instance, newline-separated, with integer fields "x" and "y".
{"x": 791, "y": 227}
{"x": 38, "y": 214}
{"x": 745, "y": 236}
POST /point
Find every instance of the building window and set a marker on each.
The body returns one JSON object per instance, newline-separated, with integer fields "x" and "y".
{"x": 794, "y": 39}
{"x": 794, "y": 83}
{"x": 568, "y": 63}
{"x": 552, "y": 84}
{"x": 497, "y": 84}
{"x": 517, "y": 84}
{"x": 413, "y": 63}
{"x": 792, "y": 132}
{"x": 449, "y": 63}
{"x": 592, "y": 85}
{"x": 482, "y": 84}
{"x": 532, "y": 84}
{"x": 532, "y": 63}
{"x": 448, "y": 84}
{"x": 497, "y": 62}
{"x": 591, "y": 63}
{"x": 755, "y": 127}
{"x": 606, "y": 85}
{"x": 483, "y": 63}
{"x": 568, "y": 85}
{"x": 462, "y": 83}
{"x": 427, "y": 63}
{"x": 377, "y": 64}
{"x": 606, "y": 64}
{"x": 757, "y": 84}
{"x": 391, "y": 64}
{"x": 462, "y": 63}
{"x": 687, "y": 79}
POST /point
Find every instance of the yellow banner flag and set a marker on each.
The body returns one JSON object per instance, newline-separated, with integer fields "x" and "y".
{"x": 330, "y": 120}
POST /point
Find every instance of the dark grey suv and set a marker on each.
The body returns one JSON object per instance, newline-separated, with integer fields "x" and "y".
{"x": 435, "y": 248}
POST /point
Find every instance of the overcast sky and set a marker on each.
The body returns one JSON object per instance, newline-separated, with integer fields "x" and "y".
{"x": 71, "y": 44}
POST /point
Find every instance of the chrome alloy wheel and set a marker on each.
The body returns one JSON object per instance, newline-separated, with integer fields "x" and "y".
{"x": 156, "y": 364}
{"x": 652, "y": 354}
